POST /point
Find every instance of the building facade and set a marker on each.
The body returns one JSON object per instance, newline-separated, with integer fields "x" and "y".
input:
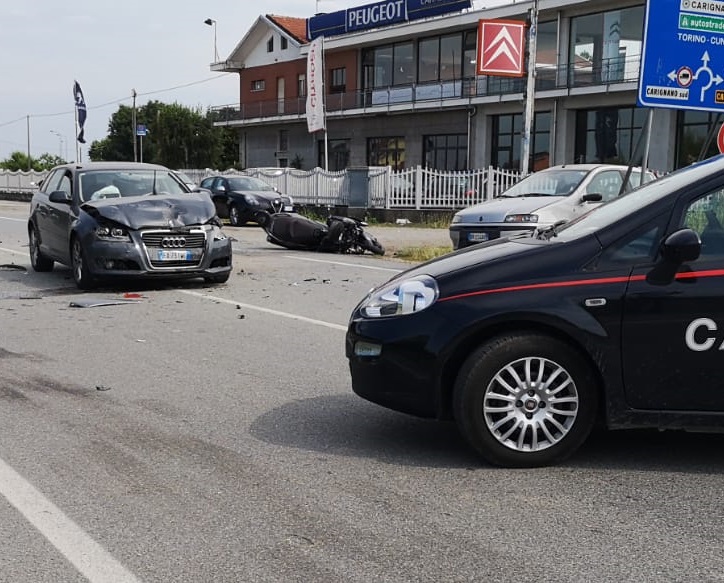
{"x": 408, "y": 94}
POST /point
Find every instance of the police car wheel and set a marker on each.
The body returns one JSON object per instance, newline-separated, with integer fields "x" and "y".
{"x": 525, "y": 400}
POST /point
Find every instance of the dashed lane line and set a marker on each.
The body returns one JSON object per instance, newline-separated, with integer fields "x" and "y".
{"x": 355, "y": 265}
{"x": 266, "y": 310}
{"x": 85, "y": 554}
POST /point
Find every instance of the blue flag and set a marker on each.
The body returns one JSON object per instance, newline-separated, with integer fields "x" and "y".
{"x": 80, "y": 110}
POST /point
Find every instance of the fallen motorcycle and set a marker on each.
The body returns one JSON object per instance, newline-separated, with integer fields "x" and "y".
{"x": 338, "y": 235}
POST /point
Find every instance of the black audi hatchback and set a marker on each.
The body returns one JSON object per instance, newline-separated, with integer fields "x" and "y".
{"x": 616, "y": 318}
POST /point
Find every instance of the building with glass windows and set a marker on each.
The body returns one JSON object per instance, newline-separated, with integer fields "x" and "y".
{"x": 407, "y": 94}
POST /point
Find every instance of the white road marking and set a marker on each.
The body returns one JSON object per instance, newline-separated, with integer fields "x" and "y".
{"x": 13, "y": 251}
{"x": 11, "y": 219}
{"x": 86, "y": 555}
{"x": 342, "y": 263}
{"x": 266, "y": 310}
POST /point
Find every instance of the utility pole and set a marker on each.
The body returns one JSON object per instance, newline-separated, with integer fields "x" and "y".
{"x": 30, "y": 163}
{"x": 529, "y": 92}
{"x": 133, "y": 129}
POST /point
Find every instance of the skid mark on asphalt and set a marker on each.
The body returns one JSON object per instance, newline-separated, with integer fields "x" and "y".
{"x": 355, "y": 265}
{"x": 266, "y": 310}
{"x": 85, "y": 554}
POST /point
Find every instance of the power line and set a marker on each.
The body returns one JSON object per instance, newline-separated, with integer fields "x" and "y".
{"x": 114, "y": 102}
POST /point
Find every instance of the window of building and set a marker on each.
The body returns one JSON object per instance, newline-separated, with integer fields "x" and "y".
{"x": 283, "y": 140}
{"x": 302, "y": 85}
{"x": 470, "y": 49}
{"x": 606, "y": 47}
{"x": 546, "y": 55}
{"x": 692, "y": 132}
{"x": 608, "y": 135}
{"x": 338, "y": 154}
{"x": 445, "y": 152}
{"x": 388, "y": 66}
{"x": 441, "y": 57}
{"x": 386, "y": 152}
{"x": 506, "y": 145}
{"x": 258, "y": 85}
{"x": 284, "y": 43}
{"x": 403, "y": 64}
{"x": 270, "y": 45}
{"x": 338, "y": 80}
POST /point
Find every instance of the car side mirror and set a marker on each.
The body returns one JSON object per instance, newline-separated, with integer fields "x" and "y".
{"x": 59, "y": 197}
{"x": 679, "y": 247}
{"x": 592, "y": 197}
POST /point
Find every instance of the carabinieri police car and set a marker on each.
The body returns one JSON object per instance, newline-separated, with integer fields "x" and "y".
{"x": 616, "y": 318}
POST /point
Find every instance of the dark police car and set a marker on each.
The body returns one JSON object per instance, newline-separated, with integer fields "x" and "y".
{"x": 616, "y": 317}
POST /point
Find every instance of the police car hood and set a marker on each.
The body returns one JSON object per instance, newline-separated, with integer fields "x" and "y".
{"x": 495, "y": 211}
{"x": 156, "y": 210}
{"x": 505, "y": 261}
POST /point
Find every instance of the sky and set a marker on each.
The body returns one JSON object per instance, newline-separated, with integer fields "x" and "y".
{"x": 160, "y": 48}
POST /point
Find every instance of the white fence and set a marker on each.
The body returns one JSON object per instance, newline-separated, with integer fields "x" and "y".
{"x": 381, "y": 187}
{"x": 18, "y": 181}
{"x": 374, "y": 187}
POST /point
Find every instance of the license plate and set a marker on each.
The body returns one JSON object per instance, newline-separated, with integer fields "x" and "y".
{"x": 165, "y": 255}
{"x": 477, "y": 237}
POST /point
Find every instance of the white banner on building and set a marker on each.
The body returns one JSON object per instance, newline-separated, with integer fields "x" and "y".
{"x": 315, "y": 86}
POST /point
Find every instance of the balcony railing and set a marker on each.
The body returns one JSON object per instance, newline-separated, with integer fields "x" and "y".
{"x": 581, "y": 74}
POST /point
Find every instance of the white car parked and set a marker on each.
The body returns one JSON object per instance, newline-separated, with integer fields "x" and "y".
{"x": 544, "y": 198}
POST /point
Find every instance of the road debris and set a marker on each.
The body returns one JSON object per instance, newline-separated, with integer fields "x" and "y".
{"x": 96, "y": 302}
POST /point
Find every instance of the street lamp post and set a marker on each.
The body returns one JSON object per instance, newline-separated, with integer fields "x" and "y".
{"x": 61, "y": 139}
{"x": 212, "y": 23}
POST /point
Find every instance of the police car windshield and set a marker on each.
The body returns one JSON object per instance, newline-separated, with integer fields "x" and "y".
{"x": 552, "y": 182}
{"x": 648, "y": 194}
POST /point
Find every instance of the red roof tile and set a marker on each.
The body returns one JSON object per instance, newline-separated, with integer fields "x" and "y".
{"x": 296, "y": 27}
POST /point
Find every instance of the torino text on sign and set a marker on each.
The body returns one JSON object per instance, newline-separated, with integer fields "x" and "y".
{"x": 682, "y": 61}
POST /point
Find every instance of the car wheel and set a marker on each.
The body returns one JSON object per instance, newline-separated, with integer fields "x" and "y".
{"x": 235, "y": 216}
{"x": 525, "y": 400}
{"x": 78, "y": 264}
{"x": 39, "y": 261}
{"x": 222, "y": 278}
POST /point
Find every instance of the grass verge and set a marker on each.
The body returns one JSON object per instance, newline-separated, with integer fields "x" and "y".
{"x": 421, "y": 253}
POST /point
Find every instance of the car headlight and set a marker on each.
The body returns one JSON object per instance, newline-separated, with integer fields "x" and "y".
{"x": 457, "y": 218}
{"x": 251, "y": 199}
{"x": 401, "y": 297}
{"x": 521, "y": 219}
{"x": 112, "y": 233}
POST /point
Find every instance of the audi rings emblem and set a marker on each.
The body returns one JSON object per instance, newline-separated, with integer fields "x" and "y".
{"x": 173, "y": 242}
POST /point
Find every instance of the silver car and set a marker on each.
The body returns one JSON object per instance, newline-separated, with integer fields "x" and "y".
{"x": 544, "y": 198}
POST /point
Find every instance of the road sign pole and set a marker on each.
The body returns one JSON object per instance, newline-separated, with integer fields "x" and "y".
{"x": 529, "y": 111}
{"x": 647, "y": 144}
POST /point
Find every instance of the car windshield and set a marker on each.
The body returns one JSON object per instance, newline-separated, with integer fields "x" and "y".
{"x": 622, "y": 207}
{"x": 248, "y": 183}
{"x": 553, "y": 182}
{"x": 100, "y": 184}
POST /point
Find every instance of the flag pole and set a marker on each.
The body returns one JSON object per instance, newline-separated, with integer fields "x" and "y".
{"x": 77, "y": 144}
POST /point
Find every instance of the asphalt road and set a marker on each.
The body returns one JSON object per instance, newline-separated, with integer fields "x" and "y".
{"x": 209, "y": 433}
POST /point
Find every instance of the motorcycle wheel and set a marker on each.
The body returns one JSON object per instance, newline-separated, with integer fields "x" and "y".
{"x": 371, "y": 244}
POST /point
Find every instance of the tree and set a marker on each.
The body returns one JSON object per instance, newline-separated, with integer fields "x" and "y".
{"x": 18, "y": 161}
{"x": 178, "y": 137}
